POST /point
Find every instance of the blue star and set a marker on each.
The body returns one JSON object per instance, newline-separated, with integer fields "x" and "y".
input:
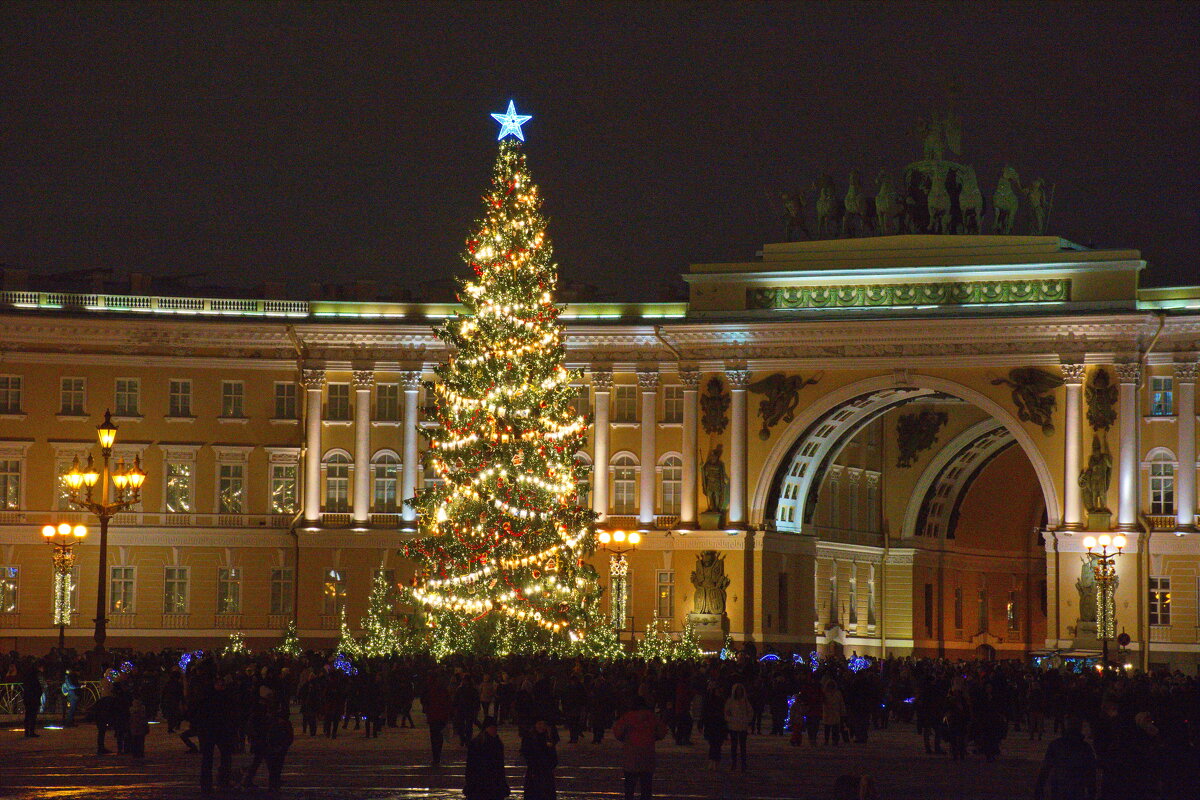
{"x": 511, "y": 122}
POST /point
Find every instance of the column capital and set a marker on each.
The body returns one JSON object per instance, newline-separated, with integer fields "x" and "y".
{"x": 647, "y": 380}
{"x": 738, "y": 378}
{"x": 411, "y": 380}
{"x": 602, "y": 379}
{"x": 312, "y": 379}
{"x": 1128, "y": 372}
{"x": 364, "y": 379}
{"x": 690, "y": 378}
{"x": 1185, "y": 371}
{"x": 1074, "y": 372}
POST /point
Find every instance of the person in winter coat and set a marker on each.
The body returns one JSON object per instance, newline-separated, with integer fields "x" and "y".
{"x": 31, "y": 696}
{"x": 277, "y": 738}
{"x": 139, "y": 726}
{"x": 541, "y": 758}
{"x": 172, "y": 701}
{"x": 637, "y": 730}
{"x": 739, "y": 713}
{"x": 435, "y": 702}
{"x": 833, "y": 711}
{"x": 712, "y": 718}
{"x": 70, "y": 690}
{"x": 485, "y": 765}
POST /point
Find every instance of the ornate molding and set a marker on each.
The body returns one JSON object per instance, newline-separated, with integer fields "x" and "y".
{"x": 1074, "y": 373}
{"x": 1186, "y": 371}
{"x": 1128, "y": 372}
{"x": 690, "y": 378}
{"x": 738, "y": 378}
{"x": 1054, "y": 290}
{"x": 410, "y": 380}
{"x": 647, "y": 380}
{"x": 312, "y": 379}
{"x": 602, "y": 380}
{"x": 364, "y": 379}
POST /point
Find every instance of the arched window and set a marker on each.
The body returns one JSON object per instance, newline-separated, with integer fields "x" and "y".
{"x": 625, "y": 468}
{"x": 385, "y": 468}
{"x": 672, "y": 484}
{"x": 337, "y": 483}
{"x": 430, "y": 476}
{"x": 1162, "y": 482}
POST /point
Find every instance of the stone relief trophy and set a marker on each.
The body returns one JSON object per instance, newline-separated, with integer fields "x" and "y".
{"x": 709, "y": 583}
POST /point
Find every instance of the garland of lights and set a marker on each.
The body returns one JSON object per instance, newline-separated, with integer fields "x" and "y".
{"x": 63, "y": 586}
{"x": 503, "y": 567}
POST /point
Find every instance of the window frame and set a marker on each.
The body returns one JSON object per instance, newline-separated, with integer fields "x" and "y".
{"x": 240, "y": 479}
{"x": 1159, "y": 600}
{"x": 10, "y": 589}
{"x": 184, "y": 597}
{"x": 71, "y": 408}
{"x": 286, "y": 395}
{"x": 1162, "y": 396}
{"x": 672, "y": 405}
{"x": 625, "y": 404}
{"x": 227, "y": 577}
{"x": 342, "y": 402}
{"x": 388, "y": 397}
{"x": 233, "y": 399}
{"x": 664, "y": 581}
{"x": 179, "y": 398}
{"x": 283, "y": 588}
{"x": 128, "y": 577}
{"x": 133, "y": 388}
{"x": 12, "y": 394}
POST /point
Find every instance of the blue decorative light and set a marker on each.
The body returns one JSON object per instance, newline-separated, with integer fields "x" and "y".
{"x": 769, "y": 657}
{"x": 858, "y": 663}
{"x": 814, "y": 660}
{"x": 341, "y": 663}
{"x": 126, "y": 667}
{"x": 511, "y": 122}
{"x": 187, "y": 658}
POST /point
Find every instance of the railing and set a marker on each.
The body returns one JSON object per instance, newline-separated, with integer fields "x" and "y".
{"x": 229, "y": 622}
{"x": 1160, "y": 633}
{"x": 389, "y": 520}
{"x": 278, "y": 621}
{"x": 335, "y": 520}
{"x": 11, "y": 701}
{"x": 1162, "y": 522}
{"x": 119, "y": 620}
{"x": 161, "y": 305}
{"x": 135, "y": 519}
{"x": 664, "y": 522}
{"x": 175, "y": 620}
{"x": 330, "y": 622}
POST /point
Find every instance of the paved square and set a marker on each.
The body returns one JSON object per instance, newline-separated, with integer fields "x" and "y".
{"x": 59, "y": 764}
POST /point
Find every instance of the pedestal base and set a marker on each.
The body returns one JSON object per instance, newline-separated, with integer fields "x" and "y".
{"x": 1099, "y": 520}
{"x": 1087, "y": 636}
{"x": 710, "y": 521}
{"x": 710, "y": 629}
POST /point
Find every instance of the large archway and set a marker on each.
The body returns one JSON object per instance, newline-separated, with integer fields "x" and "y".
{"x": 792, "y": 471}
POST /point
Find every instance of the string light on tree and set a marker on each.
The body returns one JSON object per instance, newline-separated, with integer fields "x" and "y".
{"x": 503, "y": 567}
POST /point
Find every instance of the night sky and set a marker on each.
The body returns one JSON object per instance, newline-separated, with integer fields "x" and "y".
{"x": 334, "y": 142}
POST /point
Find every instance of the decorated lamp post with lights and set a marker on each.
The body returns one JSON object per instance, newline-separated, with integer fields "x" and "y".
{"x": 127, "y": 481}
{"x": 618, "y": 543}
{"x": 63, "y": 539}
{"x": 1104, "y": 550}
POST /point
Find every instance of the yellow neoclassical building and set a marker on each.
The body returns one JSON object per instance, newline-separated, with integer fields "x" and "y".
{"x": 895, "y": 444}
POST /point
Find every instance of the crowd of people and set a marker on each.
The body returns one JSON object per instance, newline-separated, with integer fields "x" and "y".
{"x": 1141, "y": 730}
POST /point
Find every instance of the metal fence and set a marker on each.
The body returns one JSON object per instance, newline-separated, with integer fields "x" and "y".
{"x": 12, "y": 703}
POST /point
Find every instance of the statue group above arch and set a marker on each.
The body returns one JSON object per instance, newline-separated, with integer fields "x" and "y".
{"x": 934, "y": 195}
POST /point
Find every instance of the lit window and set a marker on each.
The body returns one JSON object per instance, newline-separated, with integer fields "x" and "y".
{"x": 386, "y": 468}
{"x": 666, "y": 593}
{"x": 229, "y": 590}
{"x": 672, "y": 484}
{"x": 175, "y": 590}
{"x": 334, "y": 592}
{"x": 10, "y": 583}
{"x": 231, "y": 489}
{"x": 283, "y": 489}
{"x": 1010, "y": 612}
{"x": 1162, "y": 402}
{"x": 120, "y": 590}
{"x": 581, "y": 402}
{"x": 1162, "y": 485}
{"x": 337, "y": 484}
{"x": 179, "y": 488}
{"x": 10, "y": 484}
{"x": 1160, "y": 601}
{"x": 624, "y": 485}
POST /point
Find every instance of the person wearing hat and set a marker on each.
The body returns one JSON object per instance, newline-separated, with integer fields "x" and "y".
{"x": 638, "y": 729}
{"x": 485, "y": 765}
{"x": 541, "y": 758}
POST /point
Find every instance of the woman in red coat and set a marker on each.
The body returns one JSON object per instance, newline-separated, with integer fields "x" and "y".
{"x": 638, "y": 729}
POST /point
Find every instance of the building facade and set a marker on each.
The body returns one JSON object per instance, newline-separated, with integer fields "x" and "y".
{"x": 915, "y": 435}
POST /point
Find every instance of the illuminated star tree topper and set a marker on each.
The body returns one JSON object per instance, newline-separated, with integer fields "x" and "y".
{"x": 511, "y": 122}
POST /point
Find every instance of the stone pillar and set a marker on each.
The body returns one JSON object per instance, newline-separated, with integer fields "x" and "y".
{"x": 690, "y": 378}
{"x": 313, "y": 381}
{"x": 648, "y": 383}
{"x": 1073, "y": 375}
{"x": 411, "y": 381}
{"x": 1185, "y": 480}
{"x": 364, "y": 379}
{"x": 738, "y": 380}
{"x": 1128, "y": 502}
{"x": 602, "y": 386}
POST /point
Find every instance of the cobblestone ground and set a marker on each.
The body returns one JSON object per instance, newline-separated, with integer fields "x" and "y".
{"x": 59, "y": 765}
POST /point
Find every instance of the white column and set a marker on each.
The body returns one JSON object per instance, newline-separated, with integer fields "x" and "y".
{"x": 1128, "y": 376}
{"x": 690, "y": 378}
{"x": 602, "y": 386}
{"x": 1073, "y": 375}
{"x": 1185, "y": 479}
{"x": 313, "y": 381}
{"x": 648, "y": 382}
{"x": 411, "y": 381}
{"x": 364, "y": 379}
{"x": 738, "y": 379}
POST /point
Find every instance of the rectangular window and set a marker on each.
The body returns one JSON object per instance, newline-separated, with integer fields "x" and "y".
{"x": 928, "y": 609}
{"x": 958, "y": 608}
{"x": 853, "y": 503}
{"x": 10, "y": 394}
{"x": 231, "y": 489}
{"x": 10, "y": 484}
{"x": 983, "y": 610}
{"x": 283, "y": 488}
{"x": 387, "y": 402}
{"x": 834, "y": 616}
{"x": 337, "y": 485}
{"x": 285, "y": 400}
{"x": 582, "y": 401}
{"x": 339, "y": 402}
{"x": 71, "y": 396}
{"x": 1010, "y": 612}
{"x": 1162, "y": 487}
{"x": 625, "y": 490}
{"x": 672, "y": 485}
{"x": 175, "y": 590}
{"x": 178, "y": 496}
{"x": 281, "y": 591}
{"x": 673, "y": 404}
{"x": 1162, "y": 401}
{"x": 128, "y": 398}
{"x": 872, "y": 507}
{"x": 120, "y": 590}
{"x": 233, "y": 399}
{"x": 1160, "y": 601}
{"x": 625, "y": 404}
{"x": 179, "y": 399}
{"x": 229, "y": 590}
{"x": 665, "y": 579}
{"x": 334, "y": 592}
{"x": 783, "y": 602}
{"x": 10, "y": 585}
{"x": 853, "y": 600}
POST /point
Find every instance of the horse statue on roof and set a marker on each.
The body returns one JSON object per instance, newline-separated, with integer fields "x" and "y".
{"x": 1006, "y": 201}
{"x": 859, "y": 215}
{"x": 889, "y": 206}
{"x": 829, "y": 208}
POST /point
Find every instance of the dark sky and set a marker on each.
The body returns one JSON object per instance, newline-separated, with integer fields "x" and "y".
{"x": 330, "y": 142}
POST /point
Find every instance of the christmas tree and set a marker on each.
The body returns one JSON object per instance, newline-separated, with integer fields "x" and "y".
{"x": 656, "y": 645}
{"x": 509, "y": 536}
{"x": 381, "y": 636}
{"x": 347, "y": 645}
{"x": 290, "y": 645}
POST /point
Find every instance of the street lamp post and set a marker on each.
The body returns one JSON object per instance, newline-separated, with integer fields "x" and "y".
{"x": 618, "y": 543}
{"x": 128, "y": 483}
{"x": 63, "y": 539}
{"x": 1104, "y": 549}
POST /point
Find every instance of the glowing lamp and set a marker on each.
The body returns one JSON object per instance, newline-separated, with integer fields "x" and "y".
{"x": 635, "y": 537}
{"x": 65, "y": 528}
{"x": 74, "y": 477}
{"x": 618, "y": 536}
{"x": 136, "y": 475}
{"x": 48, "y": 531}
{"x": 1105, "y": 540}
{"x": 1089, "y": 542}
{"x": 604, "y": 537}
{"x": 79, "y": 531}
{"x": 106, "y": 432}
{"x": 120, "y": 477}
{"x": 1119, "y": 542}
